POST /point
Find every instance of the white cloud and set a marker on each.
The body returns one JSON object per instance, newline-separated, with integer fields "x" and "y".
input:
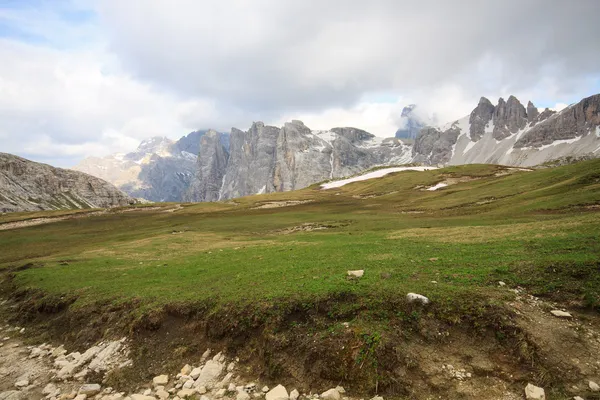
{"x": 88, "y": 77}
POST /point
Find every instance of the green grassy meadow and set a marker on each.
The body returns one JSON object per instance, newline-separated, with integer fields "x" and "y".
{"x": 539, "y": 229}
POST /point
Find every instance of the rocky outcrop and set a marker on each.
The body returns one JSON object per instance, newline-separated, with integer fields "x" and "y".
{"x": 160, "y": 169}
{"x": 574, "y": 121}
{"x": 434, "y": 146}
{"x": 509, "y": 117}
{"x": 480, "y": 118}
{"x": 268, "y": 159}
{"x": 210, "y": 171}
{"x": 29, "y": 186}
{"x": 510, "y": 134}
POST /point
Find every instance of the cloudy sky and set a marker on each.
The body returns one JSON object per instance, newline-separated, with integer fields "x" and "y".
{"x": 86, "y": 77}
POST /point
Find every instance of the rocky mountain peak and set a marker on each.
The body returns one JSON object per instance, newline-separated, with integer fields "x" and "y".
{"x": 509, "y": 117}
{"x": 532, "y": 112}
{"x": 480, "y": 117}
{"x": 353, "y": 134}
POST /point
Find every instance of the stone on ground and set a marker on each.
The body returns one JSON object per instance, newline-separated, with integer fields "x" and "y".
{"x": 417, "y": 298}
{"x": 160, "y": 380}
{"x": 142, "y": 397}
{"x": 294, "y": 394}
{"x": 90, "y": 389}
{"x": 533, "y": 392}
{"x": 186, "y": 393}
{"x": 210, "y": 373}
{"x": 242, "y": 395}
{"x": 356, "y": 274}
{"x": 187, "y": 368}
{"x": 331, "y": 394}
{"x": 277, "y": 393}
{"x": 561, "y": 314}
{"x": 594, "y": 387}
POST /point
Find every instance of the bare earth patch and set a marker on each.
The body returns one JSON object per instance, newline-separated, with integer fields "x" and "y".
{"x": 278, "y": 204}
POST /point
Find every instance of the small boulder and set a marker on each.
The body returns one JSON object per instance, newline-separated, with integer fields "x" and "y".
{"x": 187, "y": 368}
{"x": 277, "y": 393}
{"x": 533, "y": 392}
{"x": 265, "y": 389}
{"x": 294, "y": 394}
{"x": 21, "y": 383}
{"x": 220, "y": 393}
{"x": 160, "y": 380}
{"x": 142, "y": 397}
{"x": 49, "y": 389}
{"x": 90, "y": 389}
{"x": 195, "y": 373}
{"x": 340, "y": 389}
{"x": 356, "y": 273}
{"x": 331, "y": 394}
{"x": 417, "y": 298}
{"x": 162, "y": 394}
{"x": 501, "y": 283}
{"x": 242, "y": 395}
{"x": 594, "y": 387}
{"x": 561, "y": 314}
{"x": 186, "y": 393}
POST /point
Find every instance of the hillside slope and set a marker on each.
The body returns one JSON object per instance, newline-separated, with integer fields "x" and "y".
{"x": 265, "y": 277}
{"x": 29, "y": 186}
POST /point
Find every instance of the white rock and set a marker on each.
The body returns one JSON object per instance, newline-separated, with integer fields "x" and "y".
{"x": 160, "y": 380}
{"x": 578, "y": 398}
{"x": 187, "y": 368}
{"x": 142, "y": 397}
{"x": 265, "y": 389}
{"x": 162, "y": 394}
{"x": 377, "y": 398}
{"x": 22, "y": 383}
{"x": 417, "y": 298}
{"x": 220, "y": 393}
{"x": 594, "y": 387}
{"x": 90, "y": 389}
{"x": 201, "y": 389}
{"x": 231, "y": 366}
{"x": 189, "y": 384}
{"x": 331, "y": 394}
{"x": 356, "y": 273}
{"x": 81, "y": 397}
{"x": 210, "y": 373}
{"x": 231, "y": 388}
{"x": 205, "y": 355}
{"x": 242, "y": 395}
{"x": 340, "y": 389}
{"x": 533, "y": 392}
{"x": 294, "y": 394}
{"x": 186, "y": 393}
{"x": 49, "y": 389}
{"x": 561, "y": 314}
{"x": 196, "y": 373}
{"x": 277, "y": 393}
{"x": 501, "y": 283}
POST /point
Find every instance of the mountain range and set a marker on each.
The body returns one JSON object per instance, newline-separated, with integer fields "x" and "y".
{"x": 208, "y": 165}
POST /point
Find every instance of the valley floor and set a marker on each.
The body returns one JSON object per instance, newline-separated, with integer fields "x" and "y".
{"x": 264, "y": 278}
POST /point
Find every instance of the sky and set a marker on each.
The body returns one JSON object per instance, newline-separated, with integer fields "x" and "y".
{"x": 85, "y": 78}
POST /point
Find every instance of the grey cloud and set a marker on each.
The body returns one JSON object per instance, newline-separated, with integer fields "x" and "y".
{"x": 304, "y": 55}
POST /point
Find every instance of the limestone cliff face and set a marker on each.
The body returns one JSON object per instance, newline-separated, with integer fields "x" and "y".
{"x": 29, "y": 186}
{"x": 511, "y": 134}
{"x": 212, "y": 161}
{"x": 160, "y": 169}
{"x": 269, "y": 159}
